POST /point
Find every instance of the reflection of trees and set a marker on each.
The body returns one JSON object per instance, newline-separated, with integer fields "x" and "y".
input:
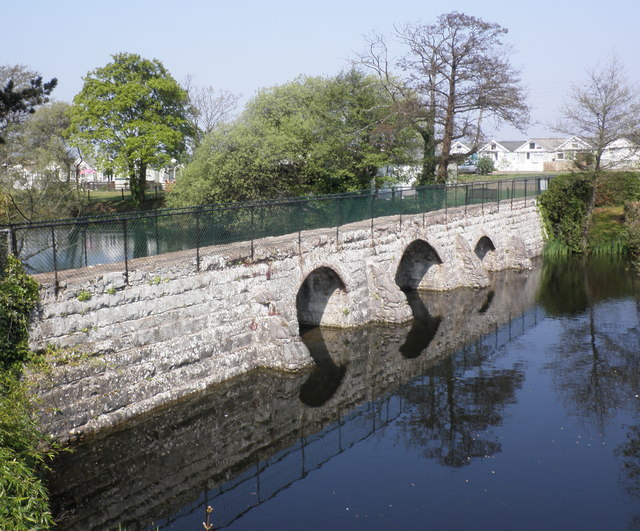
{"x": 595, "y": 368}
{"x": 454, "y": 406}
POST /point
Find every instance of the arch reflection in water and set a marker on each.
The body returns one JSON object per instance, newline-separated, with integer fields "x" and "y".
{"x": 423, "y": 328}
{"x": 326, "y": 377}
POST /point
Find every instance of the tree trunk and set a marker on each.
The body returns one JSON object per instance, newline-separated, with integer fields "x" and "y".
{"x": 447, "y": 137}
{"x": 137, "y": 182}
{"x": 588, "y": 218}
{"x": 427, "y": 175}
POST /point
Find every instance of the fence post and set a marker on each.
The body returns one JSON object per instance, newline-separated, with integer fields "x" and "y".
{"x": 400, "y": 209}
{"x": 253, "y": 207}
{"x": 4, "y": 250}
{"x": 198, "y": 242}
{"x": 84, "y": 243}
{"x": 525, "y": 191}
{"x": 466, "y": 197}
{"x": 55, "y": 259}
{"x": 337, "y": 221}
{"x": 372, "y": 199}
{"x": 499, "y": 194}
{"x": 446, "y": 200}
{"x": 513, "y": 192}
{"x": 126, "y": 252}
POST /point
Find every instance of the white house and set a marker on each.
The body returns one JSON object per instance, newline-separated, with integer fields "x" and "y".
{"x": 502, "y": 153}
{"x": 535, "y": 154}
{"x": 621, "y": 154}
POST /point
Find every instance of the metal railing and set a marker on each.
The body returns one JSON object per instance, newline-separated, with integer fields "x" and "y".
{"x": 62, "y": 247}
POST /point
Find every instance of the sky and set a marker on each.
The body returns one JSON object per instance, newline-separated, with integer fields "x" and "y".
{"x": 245, "y": 45}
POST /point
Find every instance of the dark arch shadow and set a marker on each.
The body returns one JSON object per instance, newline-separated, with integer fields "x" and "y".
{"x": 418, "y": 257}
{"x": 423, "y": 328}
{"x": 487, "y": 303}
{"x": 484, "y": 246}
{"x": 326, "y": 377}
{"x": 314, "y": 294}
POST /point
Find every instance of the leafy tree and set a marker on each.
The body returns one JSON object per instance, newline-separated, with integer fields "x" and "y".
{"x": 485, "y": 166}
{"x": 310, "y": 136}
{"x": 37, "y": 168}
{"x": 21, "y": 91}
{"x": 454, "y": 75}
{"x": 134, "y": 115}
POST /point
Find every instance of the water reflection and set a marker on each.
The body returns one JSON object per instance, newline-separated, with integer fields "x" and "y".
{"x": 241, "y": 442}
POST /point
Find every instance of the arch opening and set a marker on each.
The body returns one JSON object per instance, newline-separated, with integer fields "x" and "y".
{"x": 418, "y": 257}
{"x": 320, "y": 298}
{"x": 483, "y": 247}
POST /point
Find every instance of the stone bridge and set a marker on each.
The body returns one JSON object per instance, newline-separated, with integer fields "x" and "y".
{"x": 168, "y": 331}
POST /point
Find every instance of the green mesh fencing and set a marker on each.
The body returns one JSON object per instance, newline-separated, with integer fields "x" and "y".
{"x": 102, "y": 242}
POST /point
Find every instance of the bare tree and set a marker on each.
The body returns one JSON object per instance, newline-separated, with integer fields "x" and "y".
{"x": 605, "y": 108}
{"x": 455, "y": 75}
{"x": 209, "y": 106}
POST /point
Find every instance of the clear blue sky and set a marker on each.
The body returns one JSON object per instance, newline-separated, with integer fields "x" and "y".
{"x": 245, "y": 45}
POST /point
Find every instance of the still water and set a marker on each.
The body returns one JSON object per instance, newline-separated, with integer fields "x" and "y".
{"x": 513, "y": 407}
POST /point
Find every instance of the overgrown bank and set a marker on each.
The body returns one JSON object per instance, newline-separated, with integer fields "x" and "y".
{"x": 611, "y": 228}
{"x": 24, "y": 450}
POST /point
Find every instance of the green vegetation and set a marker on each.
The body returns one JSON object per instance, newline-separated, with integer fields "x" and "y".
{"x": 23, "y": 449}
{"x": 132, "y": 114}
{"x": 311, "y": 136}
{"x": 485, "y": 166}
{"x": 83, "y": 295}
{"x": 613, "y": 228}
{"x": 564, "y": 207}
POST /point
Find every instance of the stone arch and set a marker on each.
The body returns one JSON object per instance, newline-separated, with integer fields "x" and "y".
{"x": 483, "y": 247}
{"x": 321, "y": 299}
{"x": 416, "y": 260}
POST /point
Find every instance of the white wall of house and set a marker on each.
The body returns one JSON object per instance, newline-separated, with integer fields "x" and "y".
{"x": 622, "y": 154}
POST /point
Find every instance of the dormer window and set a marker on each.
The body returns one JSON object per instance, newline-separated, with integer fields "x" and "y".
{"x": 493, "y": 146}
{"x": 532, "y": 145}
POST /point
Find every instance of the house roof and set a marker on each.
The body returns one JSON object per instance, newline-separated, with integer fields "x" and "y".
{"x": 511, "y": 145}
{"x": 508, "y": 145}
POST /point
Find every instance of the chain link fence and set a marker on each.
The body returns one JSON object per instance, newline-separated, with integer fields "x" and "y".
{"x": 111, "y": 243}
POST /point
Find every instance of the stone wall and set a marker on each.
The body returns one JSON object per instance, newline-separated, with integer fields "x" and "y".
{"x": 190, "y": 450}
{"x": 170, "y": 332}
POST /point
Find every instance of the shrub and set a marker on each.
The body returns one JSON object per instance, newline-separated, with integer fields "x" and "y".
{"x": 24, "y": 500}
{"x": 564, "y": 207}
{"x": 485, "y": 166}
{"x": 18, "y": 297}
{"x": 617, "y": 188}
{"x": 632, "y": 226}
{"x": 24, "y": 496}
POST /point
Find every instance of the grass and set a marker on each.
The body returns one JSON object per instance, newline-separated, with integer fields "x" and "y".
{"x": 113, "y": 201}
{"x": 607, "y": 235}
{"x": 498, "y": 176}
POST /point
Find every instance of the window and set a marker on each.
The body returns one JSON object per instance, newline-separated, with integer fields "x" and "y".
{"x": 560, "y": 156}
{"x": 493, "y": 146}
{"x": 532, "y": 145}
{"x": 528, "y": 156}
